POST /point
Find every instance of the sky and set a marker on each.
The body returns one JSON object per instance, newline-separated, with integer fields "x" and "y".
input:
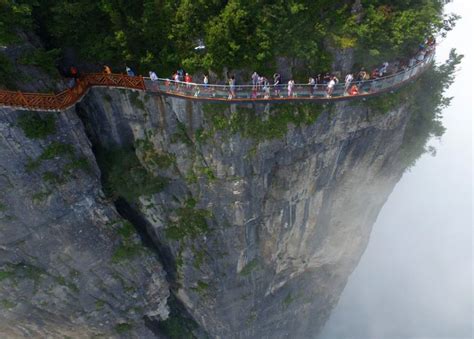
{"x": 414, "y": 280}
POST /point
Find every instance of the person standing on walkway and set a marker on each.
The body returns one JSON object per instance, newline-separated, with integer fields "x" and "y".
{"x": 362, "y": 74}
{"x": 153, "y": 76}
{"x": 277, "y": 83}
{"x": 205, "y": 81}
{"x": 311, "y": 84}
{"x": 266, "y": 88}
{"x": 330, "y": 87}
{"x": 383, "y": 69}
{"x": 107, "y": 70}
{"x": 354, "y": 90}
{"x": 180, "y": 73}
{"x": 188, "y": 79}
{"x": 291, "y": 85}
{"x": 348, "y": 81}
{"x": 255, "y": 78}
{"x": 74, "y": 73}
{"x": 232, "y": 87}
{"x": 176, "y": 80}
{"x": 129, "y": 71}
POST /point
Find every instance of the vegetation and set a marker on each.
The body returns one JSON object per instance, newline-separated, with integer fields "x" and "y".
{"x": 177, "y": 326}
{"x": 46, "y": 60}
{"x": 190, "y": 222}
{"x": 7, "y": 72}
{"x": 123, "y": 328}
{"x": 427, "y": 100}
{"x": 199, "y": 258}
{"x": 201, "y": 287}
{"x": 99, "y": 304}
{"x": 7, "y": 304}
{"x": 14, "y": 15}
{"x": 250, "y": 125}
{"x": 58, "y": 150}
{"x": 124, "y": 176}
{"x": 387, "y": 28}
{"x": 134, "y": 98}
{"x": 161, "y": 35}
{"x": 40, "y": 196}
{"x": 128, "y": 248}
{"x": 288, "y": 300}
{"x": 6, "y": 274}
{"x": 36, "y": 126}
{"x": 151, "y": 157}
{"x": 126, "y": 251}
{"x": 249, "y": 267}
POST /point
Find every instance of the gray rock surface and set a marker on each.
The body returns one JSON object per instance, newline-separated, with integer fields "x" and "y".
{"x": 61, "y": 269}
{"x": 288, "y": 216}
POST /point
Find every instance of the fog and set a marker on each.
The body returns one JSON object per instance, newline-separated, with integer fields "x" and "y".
{"x": 415, "y": 278}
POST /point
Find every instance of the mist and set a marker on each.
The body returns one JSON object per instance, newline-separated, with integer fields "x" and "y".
{"x": 415, "y": 278}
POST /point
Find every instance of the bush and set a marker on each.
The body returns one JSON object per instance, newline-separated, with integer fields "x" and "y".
{"x": 56, "y": 149}
{"x": 247, "y": 269}
{"x": 250, "y": 125}
{"x": 191, "y": 222}
{"x": 7, "y": 72}
{"x": 124, "y": 176}
{"x": 45, "y": 60}
{"x": 36, "y": 126}
{"x": 123, "y": 327}
{"x": 125, "y": 252}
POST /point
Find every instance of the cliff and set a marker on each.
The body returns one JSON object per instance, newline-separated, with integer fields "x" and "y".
{"x": 140, "y": 215}
{"x": 66, "y": 263}
{"x": 266, "y": 210}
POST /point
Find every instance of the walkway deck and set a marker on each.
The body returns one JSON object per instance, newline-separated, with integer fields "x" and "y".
{"x": 218, "y": 93}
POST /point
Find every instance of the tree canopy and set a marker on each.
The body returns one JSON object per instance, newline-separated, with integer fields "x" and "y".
{"x": 162, "y": 34}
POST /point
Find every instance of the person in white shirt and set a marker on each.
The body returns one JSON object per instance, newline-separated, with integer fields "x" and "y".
{"x": 255, "y": 79}
{"x": 291, "y": 84}
{"x": 348, "y": 81}
{"x": 311, "y": 83}
{"x": 330, "y": 88}
{"x": 383, "y": 69}
{"x": 421, "y": 56}
{"x": 153, "y": 76}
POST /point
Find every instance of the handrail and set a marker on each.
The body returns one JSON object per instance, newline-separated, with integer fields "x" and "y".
{"x": 68, "y": 97}
{"x": 274, "y": 93}
{"x": 195, "y": 91}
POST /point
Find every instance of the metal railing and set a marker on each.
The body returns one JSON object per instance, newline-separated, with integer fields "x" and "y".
{"x": 280, "y": 92}
{"x": 239, "y": 93}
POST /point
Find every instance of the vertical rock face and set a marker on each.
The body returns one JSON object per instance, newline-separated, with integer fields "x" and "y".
{"x": 260, "y": 224}
{"x": 69, "y": 264}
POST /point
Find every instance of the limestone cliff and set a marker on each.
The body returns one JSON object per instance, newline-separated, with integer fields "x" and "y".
{"x": 266, "y": 210}
{"x": 70, "y": 265}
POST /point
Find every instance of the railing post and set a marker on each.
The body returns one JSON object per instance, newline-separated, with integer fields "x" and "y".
{"x": 23, "y": 99}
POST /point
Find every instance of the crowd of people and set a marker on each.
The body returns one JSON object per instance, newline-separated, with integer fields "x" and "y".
{"x": 261, "y": 85}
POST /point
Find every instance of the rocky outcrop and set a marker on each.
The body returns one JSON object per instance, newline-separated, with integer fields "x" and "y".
{"x": 70, "y": 265}
{"x": 267, "y": 209}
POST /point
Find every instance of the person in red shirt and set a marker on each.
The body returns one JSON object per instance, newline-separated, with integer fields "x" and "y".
{"x": 188, "y": 79}
{"x": 354, "y": 90}
{"x": 73, "y": 71}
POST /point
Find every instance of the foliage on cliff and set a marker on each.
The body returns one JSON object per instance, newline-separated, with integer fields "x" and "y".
{"x": 161, "y": 35}
{"x": 428, "y": 99}
{"x": 124, "y": 176}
